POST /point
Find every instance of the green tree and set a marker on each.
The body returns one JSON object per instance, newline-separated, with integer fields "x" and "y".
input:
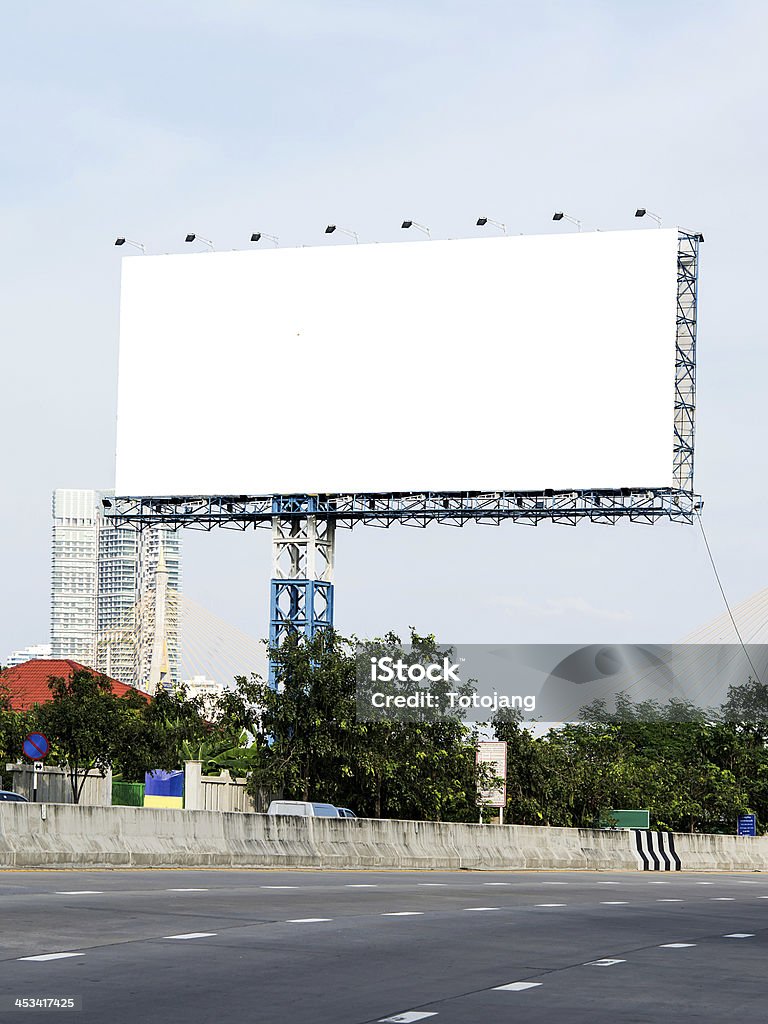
{"x": 311, "y": 744}
{"x": 85, "y": 722}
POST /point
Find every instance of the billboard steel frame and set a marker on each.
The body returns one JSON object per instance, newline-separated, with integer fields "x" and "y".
{"x": 312, "y": 518}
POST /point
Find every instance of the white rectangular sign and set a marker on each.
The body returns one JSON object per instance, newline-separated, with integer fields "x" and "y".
{"x": 508, "y": 363}
{"x": 493, "y": 753}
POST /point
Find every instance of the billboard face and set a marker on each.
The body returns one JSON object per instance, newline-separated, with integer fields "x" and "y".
{"x": 508, "y": 363}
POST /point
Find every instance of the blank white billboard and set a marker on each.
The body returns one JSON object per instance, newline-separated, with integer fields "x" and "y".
{"x": 508, "y": 363}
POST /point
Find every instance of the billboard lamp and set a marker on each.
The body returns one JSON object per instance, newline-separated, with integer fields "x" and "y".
{"x": 415, "y": 224}
{"x": 642, "y": 212}
{"x": 345, "y": 231}
{"x": 482, "y": 221}
{"x": 206, "y": 241}
{"x": 258, "y": 235}
{"x": 559, "y": 215}
{"x": 130, "y": 241}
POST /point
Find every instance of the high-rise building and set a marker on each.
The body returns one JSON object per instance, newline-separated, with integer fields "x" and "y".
{"x": 35, "y": 652}
{"x": 73, "y": 575}
{"x": 102, "y": 589}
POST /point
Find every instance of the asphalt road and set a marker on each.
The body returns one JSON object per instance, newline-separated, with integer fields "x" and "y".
{"x": 321, "y": 947}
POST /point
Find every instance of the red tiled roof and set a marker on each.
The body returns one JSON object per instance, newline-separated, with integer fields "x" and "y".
{"x": 27, "y": 684}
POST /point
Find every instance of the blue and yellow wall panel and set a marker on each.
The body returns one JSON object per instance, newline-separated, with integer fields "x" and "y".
{"x": 164, "y": 789}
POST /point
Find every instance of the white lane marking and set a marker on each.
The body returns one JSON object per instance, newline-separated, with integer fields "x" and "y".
{"x": 516, "y": 986}
{"x": 308, "y": 920}
{"x": 670, "y": 901}
{"x": 609, "y": 883}
{"x": 705, "y": 883}
{"x": 482, "y": 908}
{"x": 404, "y": 913}
{"x": 509, "y": 883}
{"x": 563, "y": 883}
{"x": 740, "y": 935}
{"x": 80, "y": 892}
{"x": 603, "y": 963}
{"x": 278, "y": 887}
{"x": 191, "y": 935}
{"x": 432, "y": 883}
{"x": 360, "y": 885}
{"x": 745, "y": 881}
{"x": 722, "y": 899}
{"x": 186, "y": 890}
{"x": 676, "y": 945}
{"x": 657, "y": 883}
{"x": 613, "y": 903}
{"x": 551, "y": 904}
{"x": 51, "y": 956}
{"x": 406, "y": 1018}
{"x": 762, "y": 897}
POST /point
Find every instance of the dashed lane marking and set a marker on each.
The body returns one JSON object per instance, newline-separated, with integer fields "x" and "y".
{"x": 186, "y": 890}
{"x": 670, "y": 901}
{"x": 51, "y": 956}
{"x": 740, "y": 935}
{"x": 404, "y": 913}
{"x": 482, "y": 908}
{"x": 278, "y": 887}
{"x": 722, "y": 899}
{"x": 604, "y": 963}
{"x": 360, "y": 885}
{"x": 191, "y": 935}
{"x": 551, "y": 904}
{"x": 432, "y": 884}
{"x": 308, "y": 920}
{"x": 613, "y": 903}
{"x": 80, "y": 892}
{"x": 406, "y": 1018}
{"x": 676, "y": 945}
{"x": 516, "y": 986}
{"x": 509, "y": 883}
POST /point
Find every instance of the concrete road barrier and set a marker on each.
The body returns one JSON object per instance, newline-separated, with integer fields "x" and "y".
{"x": 59, "y": 835}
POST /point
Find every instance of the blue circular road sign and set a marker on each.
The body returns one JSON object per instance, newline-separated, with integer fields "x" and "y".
{"x": 36, "y": 746}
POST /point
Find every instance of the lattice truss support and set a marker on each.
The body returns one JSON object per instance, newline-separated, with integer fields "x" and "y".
{"x": 301, "y": 597}
{"x": 685, "y": 360}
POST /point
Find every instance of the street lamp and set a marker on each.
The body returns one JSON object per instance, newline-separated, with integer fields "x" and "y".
{"x": 199, "y": 238}
{"x": 642, "y": 212}
{"x": 482, "y": 221}
{"x": 564, "y": 216}
{"x": 345, "y": 231}
{"x": 130, "y": 241}
{"x": 258, "y": 235}
{"x": 415, "y": 224}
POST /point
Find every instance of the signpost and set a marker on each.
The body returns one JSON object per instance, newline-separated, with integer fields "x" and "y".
{"x": 36, "y": 747}
{"x": 493, "y": 753}
{"x": 746, "y": 825}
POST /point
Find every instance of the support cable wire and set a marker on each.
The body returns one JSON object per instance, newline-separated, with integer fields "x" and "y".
{"x": 725, "y": 599}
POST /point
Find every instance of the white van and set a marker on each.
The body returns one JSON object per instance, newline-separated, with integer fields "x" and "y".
{"x": 303, "y": 809}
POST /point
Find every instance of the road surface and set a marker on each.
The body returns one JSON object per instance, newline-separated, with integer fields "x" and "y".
{"x": 324, "y": 947}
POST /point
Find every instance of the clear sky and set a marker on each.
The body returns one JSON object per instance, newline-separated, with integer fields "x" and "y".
{"x": 152, "y": 118}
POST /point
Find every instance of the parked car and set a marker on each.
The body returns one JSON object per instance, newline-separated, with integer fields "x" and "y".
{"x": 17, "y": 798}
{"x": 303, "y": 809}
{"x": 344, "y": 812}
